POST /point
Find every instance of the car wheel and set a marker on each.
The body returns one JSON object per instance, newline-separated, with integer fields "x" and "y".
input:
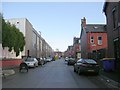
{"x": 34, "y": 66}
{"x": 97, "y": 73}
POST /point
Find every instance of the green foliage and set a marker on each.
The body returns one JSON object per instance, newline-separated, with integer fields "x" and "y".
{"x": 12, "y": 37}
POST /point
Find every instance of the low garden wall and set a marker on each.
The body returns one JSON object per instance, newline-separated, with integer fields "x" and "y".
{"x": 8, "y": 63}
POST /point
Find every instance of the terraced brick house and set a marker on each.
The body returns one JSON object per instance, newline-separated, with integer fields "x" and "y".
{"x": 93, "y": 40}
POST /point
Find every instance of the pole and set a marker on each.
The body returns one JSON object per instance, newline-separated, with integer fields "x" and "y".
{"x": 28, "y": 53}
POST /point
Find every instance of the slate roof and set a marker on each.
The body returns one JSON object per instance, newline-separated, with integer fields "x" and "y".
{"x": 95, "y": 28}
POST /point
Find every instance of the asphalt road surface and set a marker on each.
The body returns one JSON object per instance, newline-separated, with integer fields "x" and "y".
{"x": 55, "y": 74}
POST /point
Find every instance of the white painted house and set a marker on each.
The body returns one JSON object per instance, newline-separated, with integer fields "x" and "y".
{"x": 34, "y": 43}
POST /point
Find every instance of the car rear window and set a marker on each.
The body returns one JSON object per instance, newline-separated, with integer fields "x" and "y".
{"x": 90, "y": 61}
{"x": 29, "y": 59}
{"x": 72, "y": 59}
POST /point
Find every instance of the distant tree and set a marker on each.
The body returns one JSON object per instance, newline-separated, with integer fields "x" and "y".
{"x": 12, "y": 37}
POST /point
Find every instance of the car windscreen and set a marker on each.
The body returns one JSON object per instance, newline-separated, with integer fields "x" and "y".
{"x": 90, "y": 61}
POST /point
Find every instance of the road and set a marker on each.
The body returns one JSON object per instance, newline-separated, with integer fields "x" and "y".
{"x": 55, "y": 74}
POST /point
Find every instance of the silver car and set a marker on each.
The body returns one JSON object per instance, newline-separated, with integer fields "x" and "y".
{"x": 48, "y": 59}
{"x": 31, "y": 62}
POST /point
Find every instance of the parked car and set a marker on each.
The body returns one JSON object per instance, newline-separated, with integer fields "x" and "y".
{"x": 48, "y": 59}
{"x": 71, "y": 61}
{"x": 86, "y": 65}
{"x": 31, "y": 62}
{"x": 45, "y": 60}
{"x": 40, "y": 61}
{"x": 66, "y": 59}
{"x": 53, "y": 58}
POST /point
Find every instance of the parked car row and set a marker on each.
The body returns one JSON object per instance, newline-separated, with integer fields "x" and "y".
{"x": 83, "y": 65}
{"x": 34, "y": 62}
{"x": 70, "y": 60}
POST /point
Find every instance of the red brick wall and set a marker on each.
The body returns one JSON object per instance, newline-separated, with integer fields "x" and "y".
{"x": 97, "y": 47}
{"x": 10, "y": 63}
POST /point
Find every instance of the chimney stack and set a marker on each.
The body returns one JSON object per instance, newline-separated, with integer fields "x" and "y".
{"x": 83, "y": 21}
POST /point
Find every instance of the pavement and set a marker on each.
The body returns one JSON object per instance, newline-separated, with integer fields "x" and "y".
{"x": 106, "y": 80}
{"x": 112, "y": 79}
{"x": 5, "y": 72}
{"x": 8, "y": 72}
{"x": 109, "y": 82}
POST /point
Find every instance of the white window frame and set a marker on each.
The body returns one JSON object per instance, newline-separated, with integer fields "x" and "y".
{"x": 92, "y": 40}
{"x": 100, "y": 42}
